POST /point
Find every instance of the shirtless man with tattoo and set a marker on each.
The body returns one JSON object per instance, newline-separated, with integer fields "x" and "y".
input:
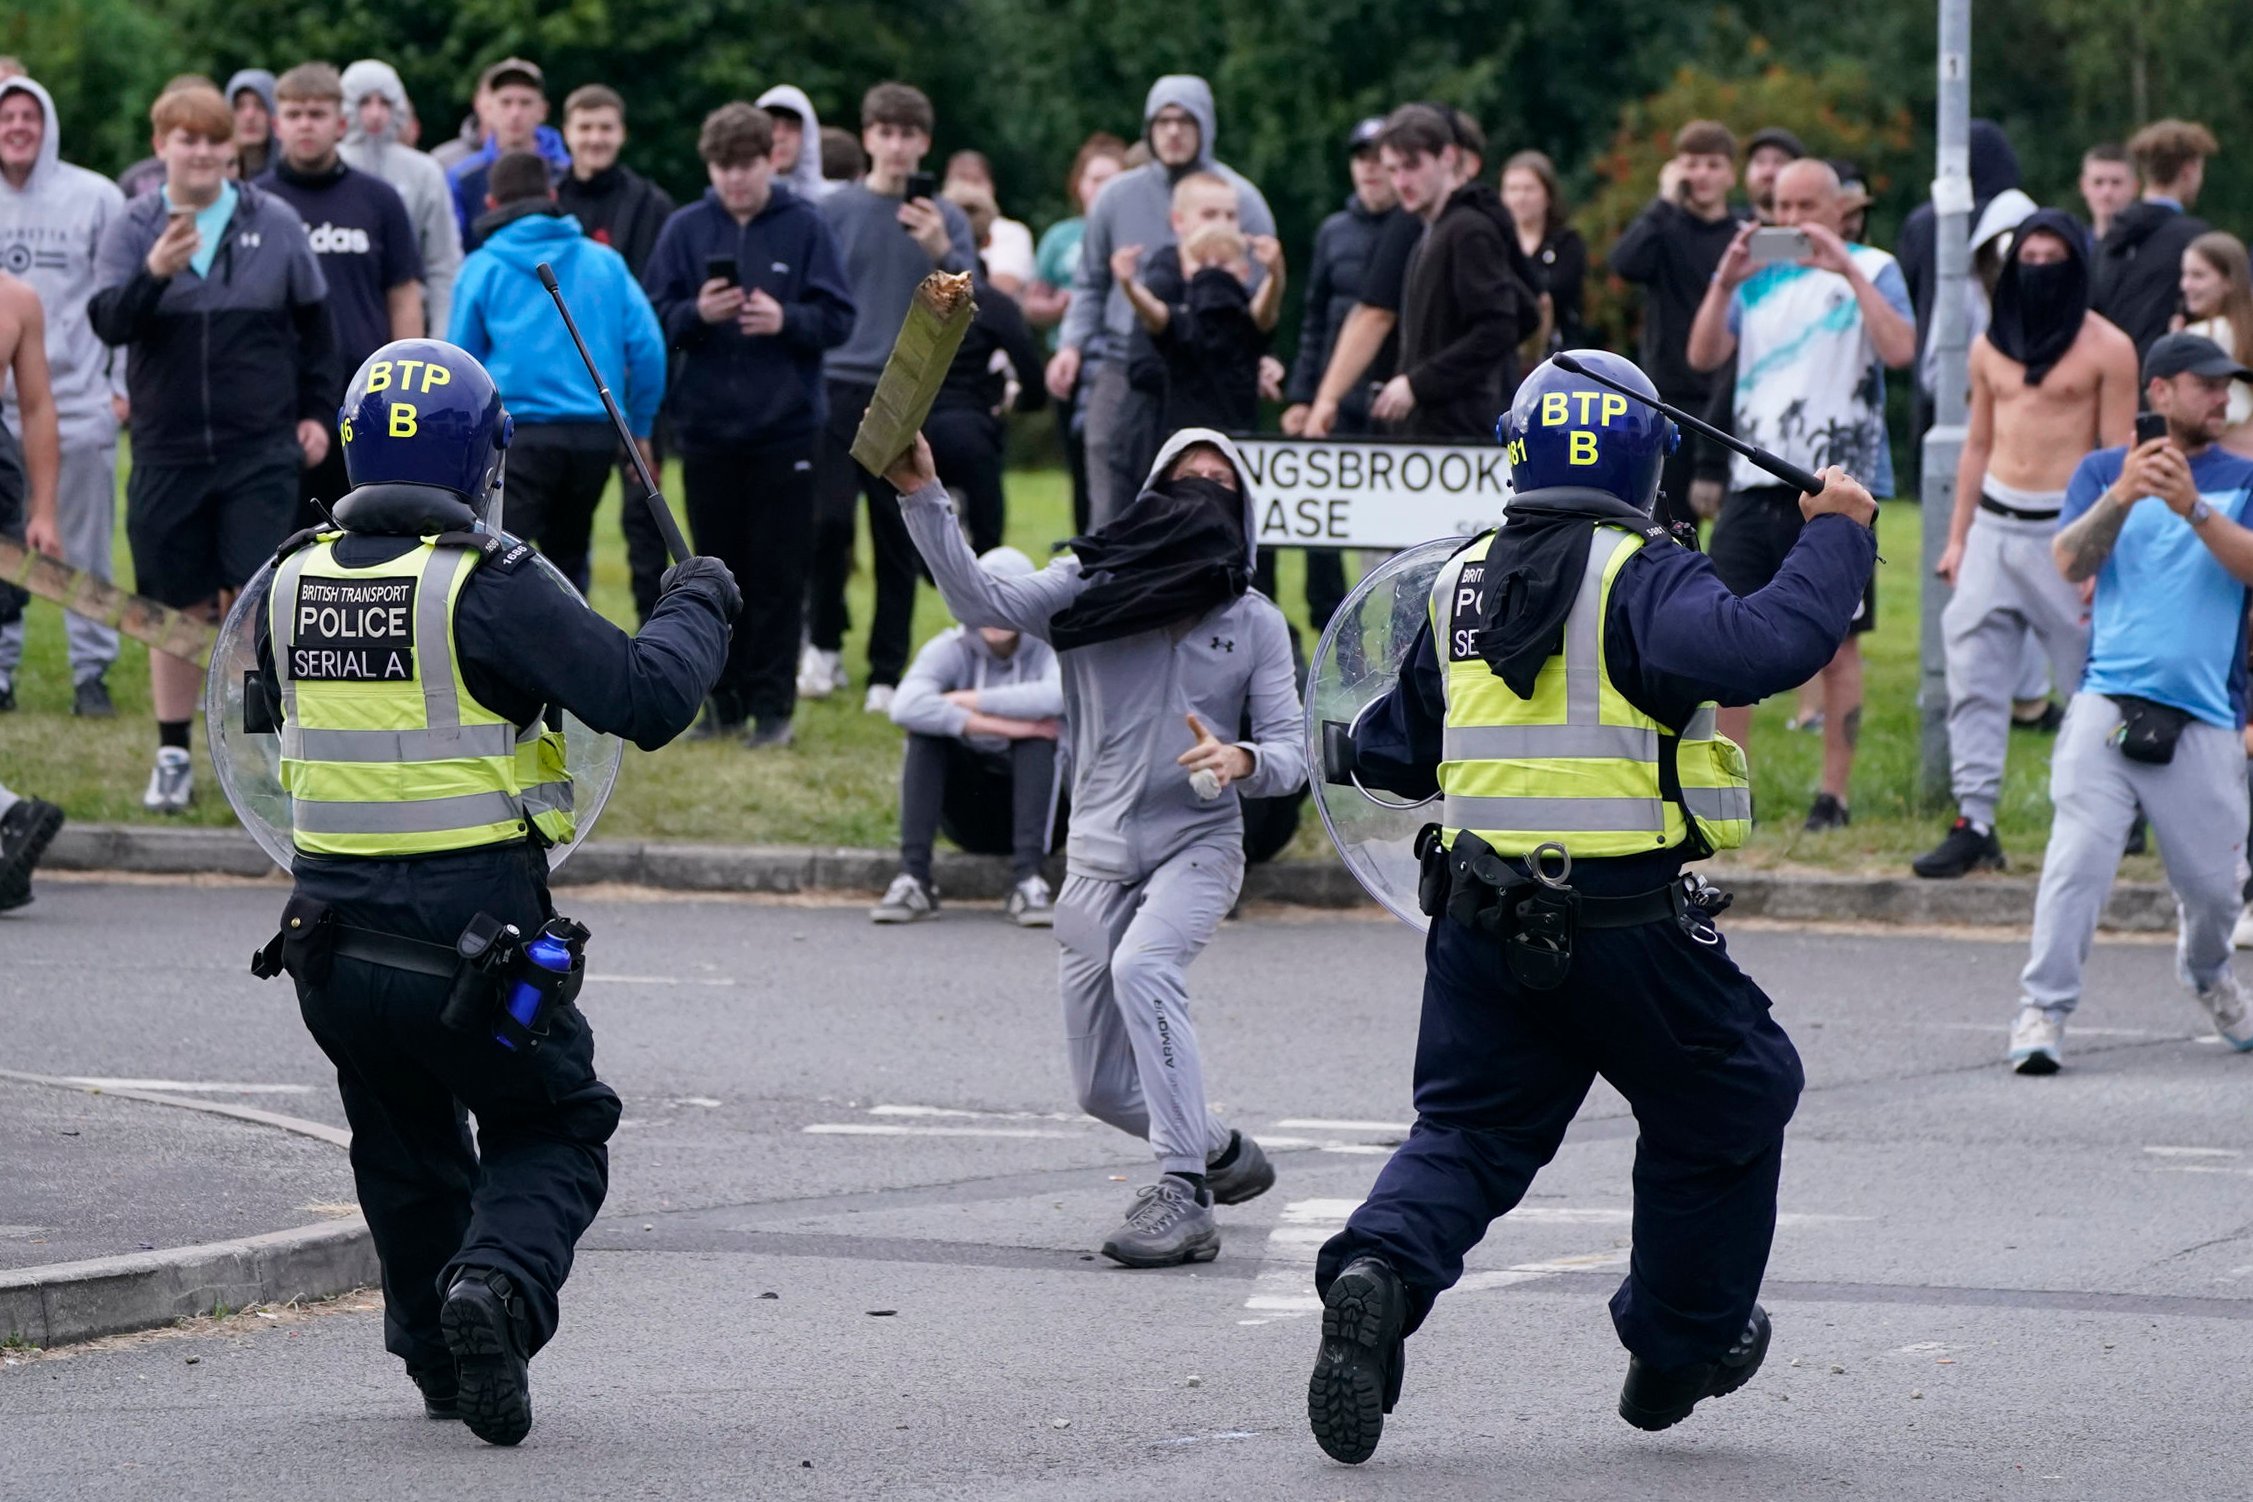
{"x": 2051, "y": 382}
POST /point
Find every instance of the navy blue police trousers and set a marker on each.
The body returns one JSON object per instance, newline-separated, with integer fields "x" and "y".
{"x": 1677, "y": 1029}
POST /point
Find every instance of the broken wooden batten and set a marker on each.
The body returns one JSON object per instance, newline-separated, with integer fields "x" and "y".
{"x": 938, "y": 315}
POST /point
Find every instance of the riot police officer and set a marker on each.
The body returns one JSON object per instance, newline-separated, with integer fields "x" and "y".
{"x": 1559, "y": 700}
{"x": 414, "y": 659}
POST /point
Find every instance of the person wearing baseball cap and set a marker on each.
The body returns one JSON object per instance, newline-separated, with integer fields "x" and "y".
{"x": 1771, "y": 149}
{"x": 512, "y": 105}
{"x": 2160, "y": 717}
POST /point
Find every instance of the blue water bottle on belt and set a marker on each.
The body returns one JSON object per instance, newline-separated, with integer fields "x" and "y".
{"x": 526, "y": 999}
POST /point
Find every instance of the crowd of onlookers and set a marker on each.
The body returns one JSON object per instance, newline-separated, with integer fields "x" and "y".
{"x": 217, "y": 298}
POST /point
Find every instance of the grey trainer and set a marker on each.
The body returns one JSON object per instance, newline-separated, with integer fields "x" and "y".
{"x": 906, "y": 900}
{"x": 1171, "y": 1223}
{"x": 1247, "y": 1176}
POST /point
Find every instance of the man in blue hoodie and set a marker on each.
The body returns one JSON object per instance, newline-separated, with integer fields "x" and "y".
{"x": 750, "y": 288}
{"x": 564, "y": 446}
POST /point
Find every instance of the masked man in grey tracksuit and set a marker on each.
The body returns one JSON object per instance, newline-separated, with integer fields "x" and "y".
{"x": 1160, "y": 637}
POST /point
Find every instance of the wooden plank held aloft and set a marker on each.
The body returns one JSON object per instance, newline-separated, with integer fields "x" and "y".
{"x": 80, "y": 593}
{"x": 938, "y": 315}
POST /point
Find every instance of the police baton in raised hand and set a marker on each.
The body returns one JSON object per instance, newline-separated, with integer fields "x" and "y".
{"x": 1782, "y": 469}
{"x": 675, "y": 544}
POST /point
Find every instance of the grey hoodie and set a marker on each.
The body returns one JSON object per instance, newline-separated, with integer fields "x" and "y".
{"x": 805, "y": 178}
{"x": 1126, "y": 700}
{"x": 1025, "y": 685}
{"x": 420, "y": 181}
{"x": 1136, "y": 208}
{"x": 49, "y": 231}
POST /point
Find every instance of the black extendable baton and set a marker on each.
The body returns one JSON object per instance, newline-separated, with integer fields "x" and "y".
{"x": 1782, "y": 469}
{"x": 662, "y": 513}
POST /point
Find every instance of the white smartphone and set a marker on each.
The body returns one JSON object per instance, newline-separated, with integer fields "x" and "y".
{"x": 1771, "y": 246}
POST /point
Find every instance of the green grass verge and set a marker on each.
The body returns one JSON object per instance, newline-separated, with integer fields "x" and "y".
{"x": 837, "y": 786}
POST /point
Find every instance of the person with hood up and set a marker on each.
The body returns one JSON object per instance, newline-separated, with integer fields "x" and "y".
{"x": 52, "y": 216}
{"x": 1469, "y": 299}
{"x": 512, "y": 103}
{"x": 982, "y": 709}
{"x": 250, "y": 94}
{"x": 375, "y": 112}
{"x": 559, "y": 461}
{"x": 1135, "y": 208}
{"x": 2050, "y": 382}
{"x": 748, "y": 409}
{"x": 1994, "y": 169}
{"x": 797, "y": 141}
{"x": 1159, "y": 636}
{"x": 2139, "y": 263}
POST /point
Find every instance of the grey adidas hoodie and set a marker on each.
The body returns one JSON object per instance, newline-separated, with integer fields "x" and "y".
{"x": 420, "y": 181}
{"x": 1136, "y": 208}
{"x": 805, "y": 178}
{"x": 1126, "y": 700}
{"x": 50, "y": 229}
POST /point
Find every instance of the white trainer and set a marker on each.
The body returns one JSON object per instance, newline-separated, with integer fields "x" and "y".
{"x": 2241, "y": 937}
{"x": 172, "y": 783}
{"x": 2224, "y": 1002}
{"x": 879, "y": 700}
{"x": 2037, "y": 1042}
{"x": 819, "y": 673}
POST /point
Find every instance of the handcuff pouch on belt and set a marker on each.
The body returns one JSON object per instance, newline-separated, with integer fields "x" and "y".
{"x": 304, "y": 945}
{"x": 1534, "y": 918}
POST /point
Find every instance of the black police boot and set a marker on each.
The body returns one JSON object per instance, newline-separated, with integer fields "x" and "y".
{"x": 441, "y": 1391}
{"x": 1357, "y": 1376}
{"x": 1659, "y": 1400}
{"x": 1965, "y": 850}
{"x": 482, "y": 1327}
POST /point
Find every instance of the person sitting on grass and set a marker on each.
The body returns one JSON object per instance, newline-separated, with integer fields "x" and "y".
{"x": 981, "y": 709}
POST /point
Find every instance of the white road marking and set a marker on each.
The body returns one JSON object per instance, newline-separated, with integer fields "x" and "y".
{"x": 187, "y": 1087}
{"x": 951, "y": 1111}
{"x": 880, "y": 1129}
{"x": 2194, "y": 1152}
{"x": 661, "y": 980}
{"x": 2200, "y": 1168}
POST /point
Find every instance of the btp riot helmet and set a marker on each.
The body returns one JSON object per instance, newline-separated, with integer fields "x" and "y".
{"x": 424, "y": 412}
{"x": 1564, "y": 429}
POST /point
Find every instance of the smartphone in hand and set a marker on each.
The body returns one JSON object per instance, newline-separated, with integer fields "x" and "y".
{"x": 1771, "y": 245}
{"x": 720, "y": 269}
{"x": 2150, "y": 427}
{"x": 922, "y": 185}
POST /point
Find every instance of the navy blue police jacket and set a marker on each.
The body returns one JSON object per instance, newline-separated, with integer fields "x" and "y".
{"x": 523, "y": 644}
{"x": 1674, "y": 638}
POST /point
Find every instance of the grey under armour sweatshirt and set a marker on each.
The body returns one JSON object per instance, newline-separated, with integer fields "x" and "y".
{"x": 883, "y": 266}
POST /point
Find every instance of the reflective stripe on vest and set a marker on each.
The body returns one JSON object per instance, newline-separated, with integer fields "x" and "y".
{"x": 1577, "y": 762}
{"x": 384, "y": 750}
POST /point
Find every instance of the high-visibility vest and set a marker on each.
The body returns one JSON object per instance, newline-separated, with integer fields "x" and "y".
{"x": 385, "y": 752}
{"x": 1577, "y": 763}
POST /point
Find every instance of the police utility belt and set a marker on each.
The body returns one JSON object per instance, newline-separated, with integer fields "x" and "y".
{"x": 498, "y": 987}
{"x": 1536, "y": 917}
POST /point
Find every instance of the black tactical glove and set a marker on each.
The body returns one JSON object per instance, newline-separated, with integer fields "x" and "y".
{"x": 707, "y": 577}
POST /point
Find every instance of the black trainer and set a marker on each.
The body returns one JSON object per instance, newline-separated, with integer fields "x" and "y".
{"x": 30, "y": 826}
{"x": 1659, "y": 1400}
{"x": 1965, "y": 850}
{"x": 1357, "y": 1376}
{"x": 481, "y": 1326}
{"x": 1240, "y": 1173}
{"x": 1826, "y": 812}
{"x": 441, "y": 1391}
{"x": 90, "y": 699}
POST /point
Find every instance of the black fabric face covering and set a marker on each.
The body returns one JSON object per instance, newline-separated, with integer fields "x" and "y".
{"x": 2039, "y": 310}
{"x": 1174, "y": 554}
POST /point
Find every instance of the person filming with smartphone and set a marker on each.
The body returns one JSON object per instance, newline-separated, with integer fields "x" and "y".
{"x": 1813, "y": 322}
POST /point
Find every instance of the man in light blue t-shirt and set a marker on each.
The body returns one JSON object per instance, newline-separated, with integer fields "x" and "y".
{"x": 2159, "y": 720}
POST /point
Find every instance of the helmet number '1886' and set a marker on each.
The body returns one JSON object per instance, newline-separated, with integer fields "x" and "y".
{"x": 402, "y": 421}
{"x": 1556, "y": 412}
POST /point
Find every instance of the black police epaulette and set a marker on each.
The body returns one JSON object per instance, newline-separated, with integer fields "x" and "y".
{"x": 493, "y": 550}
{"x": 296, "y": 540}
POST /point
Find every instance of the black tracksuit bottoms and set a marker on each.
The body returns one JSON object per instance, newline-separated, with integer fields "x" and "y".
{"x": 753, "y": 509}
{"x": 555, "y": 477}
{"x": 843, "y": 483}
